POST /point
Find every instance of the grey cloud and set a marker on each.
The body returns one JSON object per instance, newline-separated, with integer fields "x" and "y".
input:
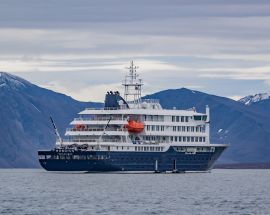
{"x": 50, "y": 38}
{"x": 70, "y": 13}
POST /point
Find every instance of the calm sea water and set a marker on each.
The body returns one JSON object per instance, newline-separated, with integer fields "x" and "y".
{"x": 220, "y": 192}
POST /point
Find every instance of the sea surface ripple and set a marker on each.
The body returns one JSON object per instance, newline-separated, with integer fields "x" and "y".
{"x": 37, "y": 192}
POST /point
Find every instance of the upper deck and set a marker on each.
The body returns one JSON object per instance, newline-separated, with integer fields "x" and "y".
{"x": 140, "y": 111}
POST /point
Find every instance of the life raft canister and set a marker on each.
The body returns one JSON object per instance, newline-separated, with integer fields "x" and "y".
{"x": 135, "y": 127}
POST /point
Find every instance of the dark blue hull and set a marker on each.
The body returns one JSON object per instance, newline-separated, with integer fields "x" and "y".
{"x": 105, "y": 161}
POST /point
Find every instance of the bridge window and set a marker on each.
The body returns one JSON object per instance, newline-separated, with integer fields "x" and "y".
{"x": 197, "y": 118}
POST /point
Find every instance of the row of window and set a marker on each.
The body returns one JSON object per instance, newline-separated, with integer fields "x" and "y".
{"x": 177, "y": 128}
{"x": 194, "y": 149}
{"x": 155, "y": 127}
{"x": 147, "y": 148}
{"x": 187, "y": 139}
{"x": 136, "y": 159}
{"x": 74, "y": 157}
{"x": 153, "y": 118}
{"x": 186, "y": 118}
{"x": 154, "y": 138}
{"x": 189, "y": 128}
{"x": 156, "y": 118}
{"x": 180, "y": 118}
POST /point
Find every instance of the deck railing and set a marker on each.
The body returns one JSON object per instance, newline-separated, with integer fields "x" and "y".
{"x": 99, "y": 119}
{"x": 95, "y": 129}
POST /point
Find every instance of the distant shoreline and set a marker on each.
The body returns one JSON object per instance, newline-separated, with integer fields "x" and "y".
{"x": 243, "y": 166}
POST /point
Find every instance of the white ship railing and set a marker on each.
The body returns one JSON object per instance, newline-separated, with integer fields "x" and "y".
{"x": 94, "y": 129}
{"x": 118, "y": 119}
{"x": 116, "y": 141}
{"x": 93, "y": 141}
{"x": 122, "y": 107}
{"x": 98, "y": 119}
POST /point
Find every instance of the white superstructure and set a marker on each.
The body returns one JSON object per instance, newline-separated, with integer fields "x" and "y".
{"x": 110, "y": 128}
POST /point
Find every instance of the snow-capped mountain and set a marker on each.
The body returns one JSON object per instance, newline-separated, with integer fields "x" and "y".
{"x": 248, "y": 100}
{"x": 244, "y": 127}
{"x": 24, "y": 116}
{"x": 11, "y": 81}
{"x": 25, "y": 126}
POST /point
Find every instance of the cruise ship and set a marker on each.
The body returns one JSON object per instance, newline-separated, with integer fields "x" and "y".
{"x": 132, "y": 134}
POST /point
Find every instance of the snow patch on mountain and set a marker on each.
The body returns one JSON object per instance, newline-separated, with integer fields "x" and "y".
{"x": 220, "y": 130}
{"x": 12, "y": 81}
{"x": 36, "y": 108}
{"x": 248, "y": 100}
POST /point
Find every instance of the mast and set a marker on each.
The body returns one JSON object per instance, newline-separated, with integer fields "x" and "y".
{"x": 208, "y": 124}
{"x": 132, "y": 85}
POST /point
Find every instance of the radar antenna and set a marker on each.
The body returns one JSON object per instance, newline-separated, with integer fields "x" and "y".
{"x": 133, "y": 85}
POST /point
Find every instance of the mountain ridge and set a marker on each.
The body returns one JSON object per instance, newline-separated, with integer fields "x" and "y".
{"x": 26, "y": 110}
{"x": 236, "y": 120}
{"x": 25, "y": 114}
{"x": 251, "y": 99}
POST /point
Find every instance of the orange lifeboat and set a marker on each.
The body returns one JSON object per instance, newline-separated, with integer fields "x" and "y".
{"x": 79, "y": 127}
{"x": 135, "y": 127}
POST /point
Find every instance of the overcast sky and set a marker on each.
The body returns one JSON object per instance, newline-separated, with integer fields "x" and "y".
{"x": 81, "y": 47}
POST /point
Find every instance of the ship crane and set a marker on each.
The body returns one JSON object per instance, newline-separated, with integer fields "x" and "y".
{"x": 103, "y": 133}
{"x": 56, "y": 132}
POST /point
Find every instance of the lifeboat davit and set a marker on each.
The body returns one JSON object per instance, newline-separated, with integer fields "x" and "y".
{"x": 134, "y": 126}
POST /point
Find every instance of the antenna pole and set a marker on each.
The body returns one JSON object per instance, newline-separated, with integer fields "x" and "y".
{"x": 133, "y": 85}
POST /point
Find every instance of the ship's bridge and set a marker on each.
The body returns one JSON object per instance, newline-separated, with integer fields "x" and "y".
{"x": 146, "y": 104}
